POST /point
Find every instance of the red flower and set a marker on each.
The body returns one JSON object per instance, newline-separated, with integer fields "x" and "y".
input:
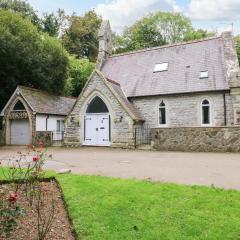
{"x": 40, "y": 144}
{"x": 35, "y": 158}
{"x": 13, "y": 197}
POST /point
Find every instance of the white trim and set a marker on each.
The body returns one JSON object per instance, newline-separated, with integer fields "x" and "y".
{"x": 166, "y": 114}
{"x": 210, "y": 112}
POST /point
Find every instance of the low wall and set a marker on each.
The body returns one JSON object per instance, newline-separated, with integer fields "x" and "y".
{"x": 1, "y": 138}
{"x": 199, "y": 139}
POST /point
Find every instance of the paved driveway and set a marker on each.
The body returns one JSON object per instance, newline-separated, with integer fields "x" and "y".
{"x": 220, "y": 169}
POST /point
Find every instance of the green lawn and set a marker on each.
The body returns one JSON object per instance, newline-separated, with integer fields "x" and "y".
{"x": 105, "y": 208}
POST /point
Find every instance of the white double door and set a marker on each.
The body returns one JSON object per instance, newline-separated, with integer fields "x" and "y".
{"x": 97, "y": 129}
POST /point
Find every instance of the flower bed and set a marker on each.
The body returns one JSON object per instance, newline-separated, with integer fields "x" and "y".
{"x": 26, "y": 224}
{"x": 31, "y": 206}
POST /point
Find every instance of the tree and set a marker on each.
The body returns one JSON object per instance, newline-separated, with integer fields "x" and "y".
{"x": 81, "y": 38}
{"x": 156, "y": 29}
{"x": 29, "y": 58}
{"x": 54, "y": 24}
{"x": 197, "y": 34}
{"x": 80, "y": 71}
{"x": 23, "y": 8}
{"x": 237, "y": 41}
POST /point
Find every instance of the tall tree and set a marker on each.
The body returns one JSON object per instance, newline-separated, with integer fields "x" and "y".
{"x": 81, "y": 38}
{"x": 29, "y": 58}
{"x": 80, "y": 71}
{"x": 54, "y": 24}
{"x": 22, "y": 7}
{"x": 156, "y": 29}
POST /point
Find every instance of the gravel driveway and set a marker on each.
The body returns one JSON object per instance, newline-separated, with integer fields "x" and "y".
{"x": 219, "y": 169}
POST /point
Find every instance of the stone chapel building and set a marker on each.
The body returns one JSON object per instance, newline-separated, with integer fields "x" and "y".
{"x": 190, "y": 86}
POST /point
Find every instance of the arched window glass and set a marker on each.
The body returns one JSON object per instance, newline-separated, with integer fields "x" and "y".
{"x": 97, "y": 106}
{"x": 206, "y": 118}
{"x": 19, "y": 106}
{"x": 162, "y": 114}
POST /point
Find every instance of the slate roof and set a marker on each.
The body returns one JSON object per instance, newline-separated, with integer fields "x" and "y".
{"x": 43, "y": 102}
{"x": 134, "y": 71}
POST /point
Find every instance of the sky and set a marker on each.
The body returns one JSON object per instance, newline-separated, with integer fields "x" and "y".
{"x": 213, "y": 15}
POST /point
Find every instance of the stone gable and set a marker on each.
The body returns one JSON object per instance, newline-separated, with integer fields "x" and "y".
{"x": 121, "y": 122}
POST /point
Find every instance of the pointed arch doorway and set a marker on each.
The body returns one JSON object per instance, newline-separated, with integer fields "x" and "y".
{"x": 97, "y": 124}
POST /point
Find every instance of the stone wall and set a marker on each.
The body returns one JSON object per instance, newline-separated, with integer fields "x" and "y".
{"x": 122, "y": 133}
{"x": 184, "y": 110}
{"x": 43, "y": 136}
{"x": 202, "y": 139}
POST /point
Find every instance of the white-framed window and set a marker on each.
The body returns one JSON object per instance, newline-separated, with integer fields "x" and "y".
{"x": 162, "y": 114}
{"x": 203, "y": 74}
{"x": 206, "y": 112}
{"x": 60, "y": 125}
{"x": 161, "y": 67}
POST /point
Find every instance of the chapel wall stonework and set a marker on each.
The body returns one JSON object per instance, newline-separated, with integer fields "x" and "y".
{"x": 207, "y": 139}
{"x": 122, "y": 132}
{"x": 185, "y": 110}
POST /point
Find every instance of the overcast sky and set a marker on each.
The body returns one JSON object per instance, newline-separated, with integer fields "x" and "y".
{"x": 214, "y": 15}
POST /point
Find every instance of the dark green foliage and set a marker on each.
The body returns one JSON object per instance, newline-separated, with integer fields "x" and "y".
{"x": 23, "y": 8}
{"x": 81, "y": 38}
{"x": 29, "y": 58}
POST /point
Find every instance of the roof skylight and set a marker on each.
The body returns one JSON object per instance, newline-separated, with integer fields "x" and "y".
{"x": 161, "y": 67}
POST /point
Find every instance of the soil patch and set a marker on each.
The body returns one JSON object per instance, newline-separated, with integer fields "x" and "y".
{"x": 27, "y": 225}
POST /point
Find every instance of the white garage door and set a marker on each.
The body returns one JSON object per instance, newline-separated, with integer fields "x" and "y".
{"x": 20, "y": 132}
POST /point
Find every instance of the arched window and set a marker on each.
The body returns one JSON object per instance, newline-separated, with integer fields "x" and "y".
{"x": 97, "y": 106}
{"x": 206, "y": 113}
{"x": 162, "y": 114}
{"x": 19, "y": 106}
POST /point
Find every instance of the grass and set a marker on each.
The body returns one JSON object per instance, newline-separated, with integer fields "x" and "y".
{"x": 106, "y": 208}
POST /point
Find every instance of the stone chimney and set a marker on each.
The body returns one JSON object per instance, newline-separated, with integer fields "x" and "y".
{"x": 105, "y": 44}
{"x": 231, "y": 60}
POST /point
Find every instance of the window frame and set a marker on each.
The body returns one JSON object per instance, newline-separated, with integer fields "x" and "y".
{"x": 209, "y": 112}
{"x": 163, "y": 70}
{"x": 158, "y": 119}
{"x": 61, "y": 125}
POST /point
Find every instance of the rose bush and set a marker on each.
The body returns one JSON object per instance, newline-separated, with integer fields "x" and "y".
{"x": 24, "y": 170}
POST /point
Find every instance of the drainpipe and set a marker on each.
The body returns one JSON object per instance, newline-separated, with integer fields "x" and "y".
{"x": 225, "y": 109}
{"x": 47, "y": 122}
